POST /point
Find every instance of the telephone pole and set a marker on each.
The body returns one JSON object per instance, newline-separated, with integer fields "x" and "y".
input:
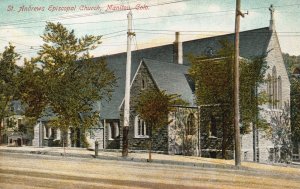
{"x": 127, "y": 88}
{"x": 237, "y": 85}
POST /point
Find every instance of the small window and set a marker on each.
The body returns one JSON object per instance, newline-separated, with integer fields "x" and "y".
{"x": 54, "y": 133}
{"x": 47, "y": 131}
{"x": 246, "y": 156}
{"x": 141, "y": 129}
{"x": 209, "y": 51}
{"x": 213, "y": 127}
{"x": 20, "y": 126}
{"x": 19, "y": 122}
{"x": 143, "y": 84}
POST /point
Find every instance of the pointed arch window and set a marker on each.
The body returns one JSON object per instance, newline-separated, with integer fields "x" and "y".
{"x": 274, "y": 90}
{"x": 143, "y": 84}
{"x": 140, "y": 128}
{"x": 275, "y": 87}
{"x": 190, "y": 130}
{"x": 279, "y": 92}
{"x": 270, "y": 91}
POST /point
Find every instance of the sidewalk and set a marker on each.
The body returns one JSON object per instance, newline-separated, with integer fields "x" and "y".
{"x": 116, "y": 155}
{"x": 142, "y": 157}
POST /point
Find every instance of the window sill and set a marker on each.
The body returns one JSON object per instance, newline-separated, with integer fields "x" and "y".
{"x": 141, "y": 137}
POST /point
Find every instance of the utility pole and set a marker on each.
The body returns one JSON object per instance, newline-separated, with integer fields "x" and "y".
{"x": 127, "y": 88}
{"x": 236, "y": 85}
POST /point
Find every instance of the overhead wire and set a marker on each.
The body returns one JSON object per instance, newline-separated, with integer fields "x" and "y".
{"x": 87, "y": 15}
{"x": 286, "y": 33}
{"x": 150, "y": 17}
{"x": 209, "y": 12}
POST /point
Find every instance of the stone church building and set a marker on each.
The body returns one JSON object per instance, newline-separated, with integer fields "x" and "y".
{"x": 166, "y": 68}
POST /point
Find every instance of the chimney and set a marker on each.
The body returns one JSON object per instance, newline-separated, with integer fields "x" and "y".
{"x": 177, "y": 52}
{"x": 272, "y": 21}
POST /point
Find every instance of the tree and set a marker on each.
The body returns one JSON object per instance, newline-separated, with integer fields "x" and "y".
{"x": 252, "y": 75}
{"x": 295, "y": 112}
{"x": 66, "y": 80}
{"x": 8, "y": 81}
{"x": 293, "y": 64}
{"x": 280, "y": 133}
{"x": 214, "y": 89}
{"x": 154, "y": 106}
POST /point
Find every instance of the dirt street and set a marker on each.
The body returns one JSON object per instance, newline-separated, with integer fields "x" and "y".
{"x": 34, "y": 171}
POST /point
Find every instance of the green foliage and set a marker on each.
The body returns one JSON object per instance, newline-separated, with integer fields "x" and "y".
{"x": 214, "y": 81}
{"x": 8, "y": 81}
{"x": 280, "y": 133}
{"x": 32, "y": 89}
{"x": 153, "y": 106}
{"x": 295, "y": 108}
{"x": 67, "y": 80}
{"x": 292, "y": 63}
{"x": 213, "y": 77}
{"x": 252, "y": 74}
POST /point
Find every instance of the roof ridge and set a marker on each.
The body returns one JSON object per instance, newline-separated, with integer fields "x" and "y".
{"x": 241, "y": 32}
{"x": 228, "y": 34}
{"x": 160, "y": 61}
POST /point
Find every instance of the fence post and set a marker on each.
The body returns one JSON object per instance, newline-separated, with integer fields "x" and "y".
{"x": 96, "y": 148}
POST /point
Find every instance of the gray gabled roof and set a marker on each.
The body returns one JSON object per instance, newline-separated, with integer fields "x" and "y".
{"x": 252, "y": 43}
{"x": 171, "y": 78}
{"x": 117, "y": 63}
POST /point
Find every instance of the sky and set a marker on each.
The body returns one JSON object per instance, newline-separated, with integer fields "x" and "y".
{"x": 154, "y": 21}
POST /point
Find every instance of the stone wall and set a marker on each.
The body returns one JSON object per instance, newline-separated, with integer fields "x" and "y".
{"x": 38, "y": 135}
{"x": 95, "y": 134}
{"x": 274, "y": 58}
{"x": 212, "y": 143}
{"x": 247, "y": 147}
{"x": 265, "y": 145}
{"x": 180, "y": 141}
